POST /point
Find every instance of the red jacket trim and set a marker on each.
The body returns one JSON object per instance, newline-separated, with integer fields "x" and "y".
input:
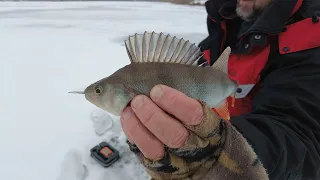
{"x": 297, "y": 7}
{"x": 290, "y": 41}
{"x": 223, "y": 26}
{"x": 206, "y": 55}
{"x": 213, "y": 20}
{"x": 245, "y": 69}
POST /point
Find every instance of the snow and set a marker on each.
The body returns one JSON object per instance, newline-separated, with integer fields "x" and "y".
{"x": 202, "y": 2}
{"x": 50, "y": 48}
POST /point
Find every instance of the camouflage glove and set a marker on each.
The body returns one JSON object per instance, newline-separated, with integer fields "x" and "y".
{"x": 214, "y": 150}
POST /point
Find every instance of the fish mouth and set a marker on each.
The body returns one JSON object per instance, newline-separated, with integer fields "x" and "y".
{"x": 76, "y": 92}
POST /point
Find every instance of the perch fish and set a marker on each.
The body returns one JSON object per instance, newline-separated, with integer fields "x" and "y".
{"x": 158, "y": 58}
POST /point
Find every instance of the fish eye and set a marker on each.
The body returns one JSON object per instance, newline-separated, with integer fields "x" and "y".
{"x": 98, "y": 90}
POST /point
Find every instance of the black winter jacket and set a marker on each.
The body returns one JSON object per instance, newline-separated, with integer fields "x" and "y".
{"x": 284, "y": 125}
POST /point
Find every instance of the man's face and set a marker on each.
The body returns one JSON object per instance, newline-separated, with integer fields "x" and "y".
{"x": 249, "y": 9}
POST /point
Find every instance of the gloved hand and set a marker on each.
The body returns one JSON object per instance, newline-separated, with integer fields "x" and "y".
{"x": 191, "y": 143}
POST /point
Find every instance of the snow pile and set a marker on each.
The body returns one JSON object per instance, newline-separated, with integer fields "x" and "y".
{"x": 101, "y": 122}
{"x": 198, "y": 2}
{"x": 51, "y": 48}
{"x": 186, "y": 2}
{"x": 72, "y": 167}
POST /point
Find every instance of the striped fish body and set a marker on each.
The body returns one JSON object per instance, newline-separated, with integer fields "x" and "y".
{"x": 161, "y": 59}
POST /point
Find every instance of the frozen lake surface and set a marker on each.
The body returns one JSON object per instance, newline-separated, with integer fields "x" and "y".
{"x": 50, "y": 48}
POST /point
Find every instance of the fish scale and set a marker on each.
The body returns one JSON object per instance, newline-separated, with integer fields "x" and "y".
{"x": 190, "y": 80}
{"x": 162, "y": 59}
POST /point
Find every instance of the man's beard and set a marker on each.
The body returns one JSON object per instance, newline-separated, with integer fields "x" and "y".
{"x": 248, "y": 15}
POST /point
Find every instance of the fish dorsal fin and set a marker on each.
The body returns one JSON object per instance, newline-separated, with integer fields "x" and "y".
{"x": 161, "y": 48}
{"x": 222, "y": 62}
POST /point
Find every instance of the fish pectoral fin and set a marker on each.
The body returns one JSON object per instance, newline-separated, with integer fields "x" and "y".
{"x": 222, "y": 110}
{"x": 233, "y": 97}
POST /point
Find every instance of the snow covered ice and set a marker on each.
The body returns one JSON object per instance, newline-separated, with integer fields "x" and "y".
{"x": 101, "y": 121}
{"x": 72, "y": 167}
{"x": 50, "y": 48}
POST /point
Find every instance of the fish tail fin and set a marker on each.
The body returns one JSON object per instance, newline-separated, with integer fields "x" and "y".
{"x": 161, "y": 48}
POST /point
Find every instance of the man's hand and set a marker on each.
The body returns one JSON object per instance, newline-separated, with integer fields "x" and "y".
{"x": 171, "y": 135}
{"x": 177, "y": 137}
{"x": 147, "y": 124}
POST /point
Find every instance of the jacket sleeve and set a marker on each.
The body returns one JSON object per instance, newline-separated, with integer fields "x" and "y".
{"x": 212, "y": 45}
{"x": 284, "y": 125}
